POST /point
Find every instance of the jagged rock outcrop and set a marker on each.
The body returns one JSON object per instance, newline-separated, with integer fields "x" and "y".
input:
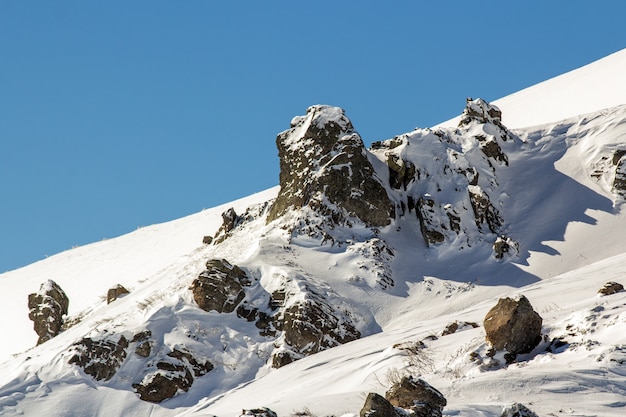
{"x": 310, "y": 326}
{"x": 517, "y": 410}
{"x": 115, "y": 293}
{"x": 513, "y": 325}
{"x": 377, "y": 406}
{"x": 484, "y": 212}
{"x": 144, "y": 344}
{"x": 100, "y": 358}
{"x": 481, "y": 112}
{"x": 619, "y": 181}
{"x": 174, "y": 373}
{"x": 429, "y": 222}
{"x": 504, "y": 246}
{"x": 417, "y": 396}
{"x": 611, "y": 288}
{"x": 230, "y": 220}
{"x": 46, "y": 309}
{"x": 324, "y": 166}
{"x": 220, "y": 287}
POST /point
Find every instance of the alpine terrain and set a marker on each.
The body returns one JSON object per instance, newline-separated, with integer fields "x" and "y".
{"x": 475, "y": 268}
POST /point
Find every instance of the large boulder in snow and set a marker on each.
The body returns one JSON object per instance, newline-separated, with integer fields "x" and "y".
{"x": 417, "y": 396}
{"x": 46, "y": 309}
{"x": 99, "y": 358}
{"x": 611, "y": 288}
{"x": 324, "y": 165}
{"x": 220, "y": 287}
{"x": 310, "y": 326}
{"x": 513, "y": 325}
{"x": 377, "y": 406}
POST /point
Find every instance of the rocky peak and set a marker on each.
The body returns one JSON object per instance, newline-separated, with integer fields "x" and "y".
{"x": 324, "y": 166}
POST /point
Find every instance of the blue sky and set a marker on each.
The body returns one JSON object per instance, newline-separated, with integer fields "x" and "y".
{"x": 116, "y": 115}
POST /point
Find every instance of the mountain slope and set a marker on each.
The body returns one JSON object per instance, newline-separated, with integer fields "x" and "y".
{"x": 304, "y": 291}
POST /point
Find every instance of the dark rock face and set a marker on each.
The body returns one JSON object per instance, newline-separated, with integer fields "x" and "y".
{"x": 619, "y": 182}
{"x": 418, "y": 396}
{"x": 513, "y": 325}
{"x": 99, "y": 358}
{"x": 517, "y": 410}
{"x": 401, "y": 172}
{"x": 310, "y": 326}
{"x": 484, "y": 211}
{"x": 610, "y": 288}
{"x": 429, "y": 225}
{"x": 115, "y": 292}
{"x": 324, "y": 165}
{"x": 230, "y": 221}
{"x": 481, "y": 112}
{"x": 258, "y": 412}
{"x": 144, "y": 345}
{"x": 174, "y": 374}
{"x": 505, "y": 246}
{"x": 46, "y": 309}
{"x": 220, "y": 287}
{"x": 377, "y": 406}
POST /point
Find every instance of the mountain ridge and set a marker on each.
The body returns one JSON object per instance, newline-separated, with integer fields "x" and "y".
{"x": 466, "y": 228}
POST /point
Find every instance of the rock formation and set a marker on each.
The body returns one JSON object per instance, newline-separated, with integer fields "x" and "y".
{"x": 99, "y": 358}
{"x": 115, "y": 293}
{"x": 417, "y": 396}
{"x": 517, "y": 410}
{"x": 324, "y": 166}
{"x": 377, "y": 406}
{"x": 610, "y": 288}
{"x": 220, "y": 286}
{"x": 47, "y": 308}
{"x": 513, "y": 325}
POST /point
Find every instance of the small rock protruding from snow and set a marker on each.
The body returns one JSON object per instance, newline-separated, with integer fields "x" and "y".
{"x": 504, "y": 246}
{"x": 99, "y": 358}
{"x": 513, "y": 325}
{"x": 417, "y": 396}
{"x": 517, "y": 410}
{"x": 611, "y": 288}
{"x": 258, "y": 412}
{"x": 115, "y": 293}
{"x": 47, "y": 308}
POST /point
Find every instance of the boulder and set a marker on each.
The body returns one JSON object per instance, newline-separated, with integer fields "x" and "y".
{"x": 310, "y": 326}
{"x": 230, "y": 220}
{"x": 324, "y": 166}
{"x": 513, "y": 325}
{"x": 115, "y": 293}
{"x": 505, "y": 246}
{"x": 517, "y": 410}
{"x": 46, "y": 309}
{"x": 220, "y": 287}
{"x": 99, "y": 358}
{"x": 174, "y": 374}
{"x": 417, "y": 396}
{"x": 258, "y": 412}
{"x": 610, "y": 288}
{"x": 377, "y": 406}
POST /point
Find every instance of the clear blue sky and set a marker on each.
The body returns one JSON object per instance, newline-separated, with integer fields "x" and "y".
{"x": 120, "y": 114}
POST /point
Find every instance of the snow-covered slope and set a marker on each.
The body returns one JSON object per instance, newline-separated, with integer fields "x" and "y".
{"x": 310, "y": 301}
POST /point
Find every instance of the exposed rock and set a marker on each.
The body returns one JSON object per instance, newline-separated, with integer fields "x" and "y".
{"x": 207, "y": 240}
{"x": 99, "y": 358}
{"x": 310, "y": 326}
{"x": 513, "y": 325}
{"x": 144, "y": 346}
{"x": 220, "y": 287}
{"x": 46, "y": 309}
{"x": 517, "y": 410}
{"x": 456, "y": 325}
{"x": 484, "y": 211}
{"x": 418, "y": 396}
{"x": 480, "y": 112}
{"x": 258, "y": 412}
{"x": 429, "y": 225}
{"x": 377, "y": 406}
{"x": 505, "y": 246}
{"x": 619, "y": 180}
{"x": 115, "y": 293}
{"x": 324, "y": 165}
{"x": 401, "y": 172}
{"x": 610, "y": 288}
{"x": 230, "y": 220}
{"x": 174, "y": 374}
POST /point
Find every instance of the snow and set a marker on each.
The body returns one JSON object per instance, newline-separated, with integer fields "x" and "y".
{"x": 567, "y": 222}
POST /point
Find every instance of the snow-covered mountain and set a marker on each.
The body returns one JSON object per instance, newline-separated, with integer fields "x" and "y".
{"x": 362, "y": 266}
